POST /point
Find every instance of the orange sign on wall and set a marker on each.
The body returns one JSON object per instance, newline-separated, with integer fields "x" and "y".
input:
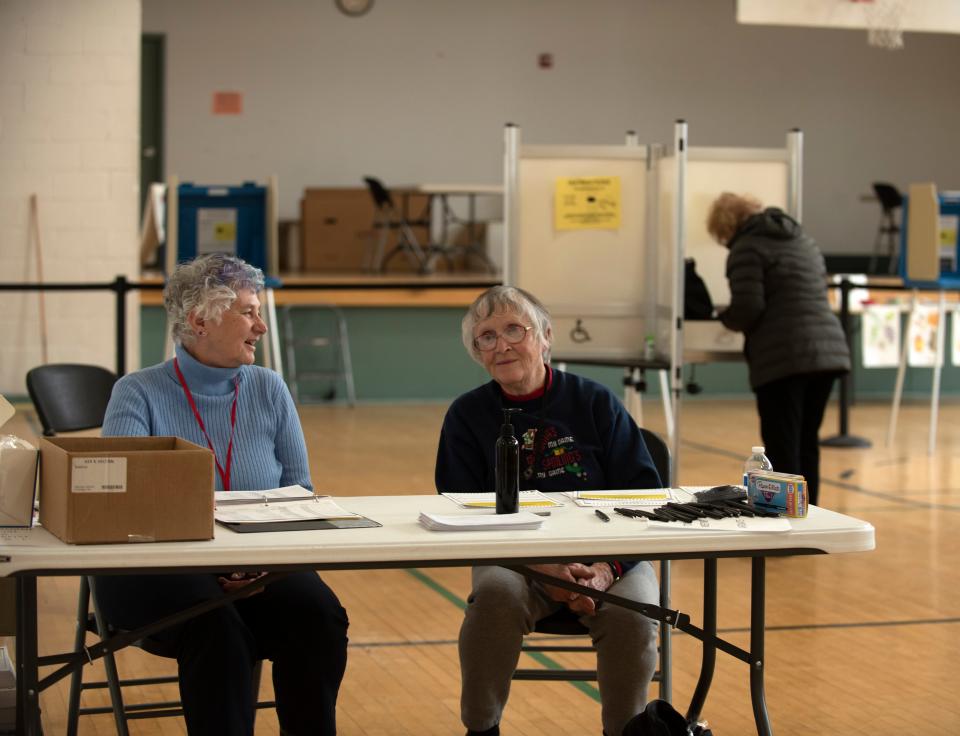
{"x": 227, "y": 103}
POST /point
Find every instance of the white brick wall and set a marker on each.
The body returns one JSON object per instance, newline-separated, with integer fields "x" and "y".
{"x": 69, "y": 132}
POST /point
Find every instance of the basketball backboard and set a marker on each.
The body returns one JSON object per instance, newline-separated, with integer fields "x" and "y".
{"x": 885, "y": 19}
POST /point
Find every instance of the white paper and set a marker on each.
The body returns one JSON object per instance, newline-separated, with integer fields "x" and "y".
{"x": 287, "y": 493}
{"x": 98, "y": 475}
{"x": 216, "y": 230}
{"x": 922, "y": 336}
{"x": 528, "y": 499}
{"x": 480, "y": 522}
{"x": 626, "y": 497}
{"x": 321, "y": 507}
{"x": 880, "y": 334}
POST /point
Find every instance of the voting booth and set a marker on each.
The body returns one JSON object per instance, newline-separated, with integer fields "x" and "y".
{"x": 239, "y": 220}
{"x": 600, "y": 234}
{"x": 929, "y": 247}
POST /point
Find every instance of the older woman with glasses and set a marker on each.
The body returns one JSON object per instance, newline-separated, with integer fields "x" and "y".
{"x": 574, "y": 435}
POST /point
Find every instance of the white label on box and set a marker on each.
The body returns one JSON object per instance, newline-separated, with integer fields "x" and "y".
{"x": 99, "y": 475}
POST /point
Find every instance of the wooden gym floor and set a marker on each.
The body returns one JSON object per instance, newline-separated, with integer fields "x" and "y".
{"x": 857, "y": 644}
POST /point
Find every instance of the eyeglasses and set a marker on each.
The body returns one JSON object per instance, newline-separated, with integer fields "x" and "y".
{"x": 513, "y": 334}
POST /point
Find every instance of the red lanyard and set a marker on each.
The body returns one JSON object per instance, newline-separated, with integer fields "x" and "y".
{"x": 224, "y": 474}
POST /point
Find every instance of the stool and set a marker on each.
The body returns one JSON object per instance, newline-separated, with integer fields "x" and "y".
{"x": 336, "y": 339}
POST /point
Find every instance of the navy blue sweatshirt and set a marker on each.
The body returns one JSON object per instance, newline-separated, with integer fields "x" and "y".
{"x": 577, "y": 436}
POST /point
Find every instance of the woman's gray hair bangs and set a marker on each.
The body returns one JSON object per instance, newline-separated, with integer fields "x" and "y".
{"x": 208, "y": 286}
{"x": 499, "y": 299}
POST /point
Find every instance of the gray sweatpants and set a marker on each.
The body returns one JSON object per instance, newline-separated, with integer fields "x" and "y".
{"x": 504, "y": 606}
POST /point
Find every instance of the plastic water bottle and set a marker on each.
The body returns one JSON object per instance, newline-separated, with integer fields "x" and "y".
{"x": 756, "y": 461}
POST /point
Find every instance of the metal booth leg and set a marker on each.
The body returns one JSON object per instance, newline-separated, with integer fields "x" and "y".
{"x": 757, "y": 612}
{"x": 709, "y": 660}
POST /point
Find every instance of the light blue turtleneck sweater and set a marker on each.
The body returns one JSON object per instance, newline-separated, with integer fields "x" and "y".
{"x": 268, "y": 446}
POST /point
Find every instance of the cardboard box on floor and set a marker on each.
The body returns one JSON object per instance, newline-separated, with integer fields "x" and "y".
{"x": 125, "y": 489}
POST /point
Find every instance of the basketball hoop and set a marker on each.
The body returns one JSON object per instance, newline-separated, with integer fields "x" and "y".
{"x": 884, "y": 22}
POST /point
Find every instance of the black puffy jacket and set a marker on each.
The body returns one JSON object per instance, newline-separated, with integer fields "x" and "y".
{"x": 778, "y": 299}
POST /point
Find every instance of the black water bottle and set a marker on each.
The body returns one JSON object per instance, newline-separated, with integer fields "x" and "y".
{"x": 507, "y": 468}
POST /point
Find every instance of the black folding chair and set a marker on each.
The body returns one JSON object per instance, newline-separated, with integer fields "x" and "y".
{"x": 390, "y": 219}
{"x": 888, "y": 231}
{"x": 70, "y": 397}
{"x": 565, "y": 623}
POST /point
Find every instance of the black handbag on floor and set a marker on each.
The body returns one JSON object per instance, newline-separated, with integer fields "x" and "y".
{"x": 660, "y": 718}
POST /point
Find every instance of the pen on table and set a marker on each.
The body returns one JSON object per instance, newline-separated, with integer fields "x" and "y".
{"x": 603, "y": 516}
{"x": 542, "y": 513}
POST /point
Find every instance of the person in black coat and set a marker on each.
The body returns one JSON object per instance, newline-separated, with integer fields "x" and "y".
{"x": 794, "y": 343}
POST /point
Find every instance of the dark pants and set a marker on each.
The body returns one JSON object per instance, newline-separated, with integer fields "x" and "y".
{"x": 297, "y": 622}
{"x": 791, "y": 411}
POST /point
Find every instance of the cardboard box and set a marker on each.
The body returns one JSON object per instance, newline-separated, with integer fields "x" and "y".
{"x": 781, "y": 492}
{"x": 337, "y": 230}
{"x": 125, "y": 489}
{"x": 18, "y": 475}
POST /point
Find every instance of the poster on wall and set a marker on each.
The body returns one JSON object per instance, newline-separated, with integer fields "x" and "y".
{"x": 948, "y": 242}
{"x": 587, "y": 203}
{"x": 216, "y": 230}
{"x": 922, "y": 336}
{"x": 880, "y": 333}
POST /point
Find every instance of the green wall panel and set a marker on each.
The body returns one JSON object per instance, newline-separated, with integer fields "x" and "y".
{"x": 415, "y": 354}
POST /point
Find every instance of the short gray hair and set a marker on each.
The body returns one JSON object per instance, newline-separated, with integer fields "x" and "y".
{"x": 499, "y": 299}
{"x": 207, "y": 285}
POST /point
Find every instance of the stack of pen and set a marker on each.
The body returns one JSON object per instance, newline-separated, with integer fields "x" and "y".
{"x": 688, "y": 512}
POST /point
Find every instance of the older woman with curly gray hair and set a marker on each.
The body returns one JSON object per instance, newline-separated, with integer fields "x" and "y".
{"x": 212, "y": 394}
{"x": 574, "y": 435}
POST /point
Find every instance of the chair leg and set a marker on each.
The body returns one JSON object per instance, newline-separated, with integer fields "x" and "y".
{"x": 346, "y": 363}
{"x": 290, "y": 345}
{"x": 877, "y": 245}
{"x": 79, "y": 642}
{"x": 666, "y": 644}
{"x": 110, "y": 666}
{"x": 891, "y": 232}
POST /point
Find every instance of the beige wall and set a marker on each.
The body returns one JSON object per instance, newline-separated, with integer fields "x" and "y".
{"x": 418, "y": 90}
{"x": 69, "y": 130}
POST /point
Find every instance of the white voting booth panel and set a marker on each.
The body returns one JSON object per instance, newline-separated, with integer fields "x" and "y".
{"x": 608, "y": 290}
{"x": 593, "y": 280}
{"x": 771, "y": 175}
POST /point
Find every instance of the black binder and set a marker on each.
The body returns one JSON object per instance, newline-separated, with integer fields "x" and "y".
{"x": 299, "y": 526}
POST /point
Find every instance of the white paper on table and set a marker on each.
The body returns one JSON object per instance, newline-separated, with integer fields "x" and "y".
{"x": 320, "y": 507}
{"x": 287, "y": 493}
{"x": 480, "y": 522}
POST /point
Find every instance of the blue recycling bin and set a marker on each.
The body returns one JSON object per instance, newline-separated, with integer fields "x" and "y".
{"x": 223, "y": 219}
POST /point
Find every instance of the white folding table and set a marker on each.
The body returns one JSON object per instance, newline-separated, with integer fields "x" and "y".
{"x": 569, "y": 533}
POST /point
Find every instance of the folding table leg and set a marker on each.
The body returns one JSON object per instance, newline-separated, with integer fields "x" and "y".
{"x": 757, "y": 603}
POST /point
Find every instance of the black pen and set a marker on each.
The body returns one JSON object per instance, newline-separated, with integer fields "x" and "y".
{"x": 603, "y": 516}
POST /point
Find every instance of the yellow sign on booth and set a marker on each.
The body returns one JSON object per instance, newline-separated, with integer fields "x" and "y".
{"x": 587, "y": 203}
